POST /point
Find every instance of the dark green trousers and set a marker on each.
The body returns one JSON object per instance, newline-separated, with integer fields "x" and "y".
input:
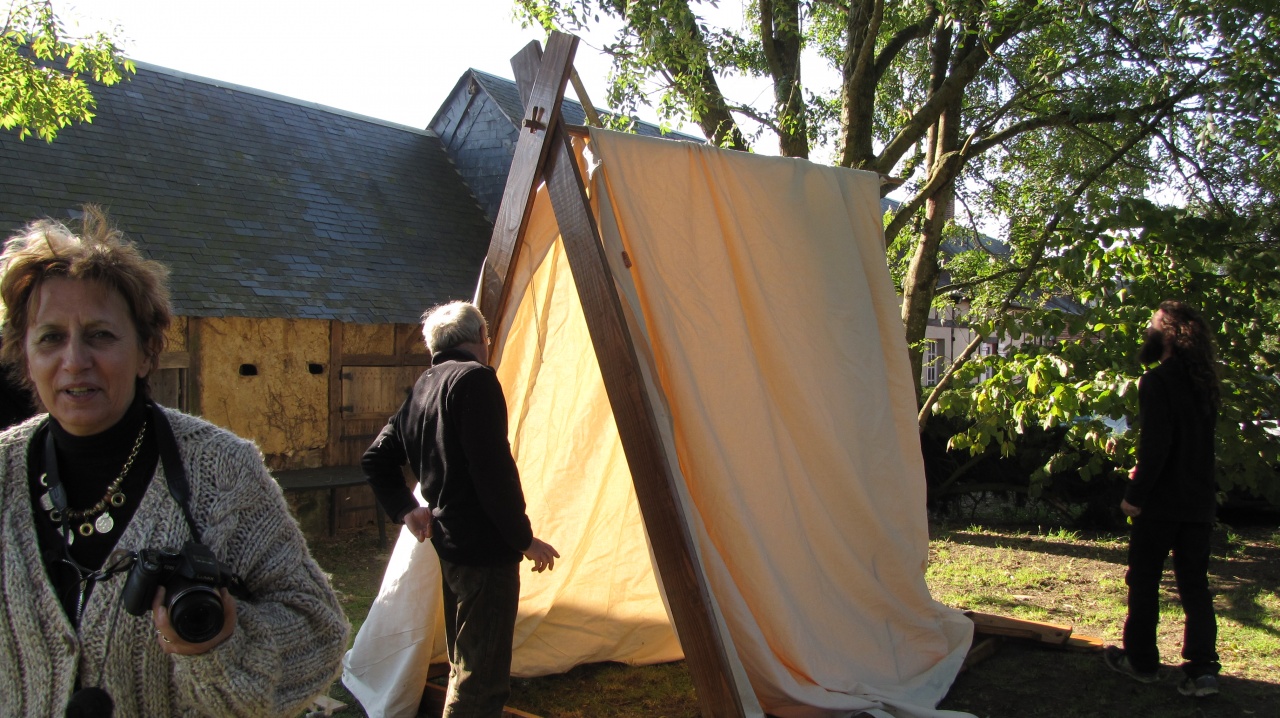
{"x": 480, "y": 605}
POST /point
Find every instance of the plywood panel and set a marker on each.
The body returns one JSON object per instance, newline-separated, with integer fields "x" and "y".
{"x": 265, "y": 379}
{"x": 176, "y": 337}
{"x": 368, "y": 339}
{"x": 168, "y": 387}
{"x": 357, "y": 435}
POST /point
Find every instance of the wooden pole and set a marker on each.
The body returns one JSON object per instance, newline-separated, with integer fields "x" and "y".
{"x": 334, "y": 450}
{"x": 588, "y": 109}
{"x": 195, "y": 369}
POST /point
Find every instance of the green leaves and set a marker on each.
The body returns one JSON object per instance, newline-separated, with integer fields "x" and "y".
{"x": 44, "y": 74}
{"x": 1076, "y": 388}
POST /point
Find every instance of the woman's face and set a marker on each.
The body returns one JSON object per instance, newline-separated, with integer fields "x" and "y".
{"x": 83, "y": 354}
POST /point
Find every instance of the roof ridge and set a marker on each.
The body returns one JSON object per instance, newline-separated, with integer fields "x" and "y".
{"x": 282, "y": 98}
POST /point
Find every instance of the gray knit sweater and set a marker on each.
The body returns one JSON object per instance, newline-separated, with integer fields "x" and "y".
{"x": 288, "y": 642}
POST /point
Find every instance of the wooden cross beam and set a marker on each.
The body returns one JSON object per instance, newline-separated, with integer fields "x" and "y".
{"x": 544, "y": 152}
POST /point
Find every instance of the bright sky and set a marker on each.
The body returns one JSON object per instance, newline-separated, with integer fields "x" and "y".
{"x": 389, "y": 59}
{"x": 394, "y": 60}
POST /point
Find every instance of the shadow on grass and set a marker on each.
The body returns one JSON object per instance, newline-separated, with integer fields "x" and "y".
{"x": 1241, "y": 573}
{"x": 1116, "y": 553}
{"x": 1024, "y": 681}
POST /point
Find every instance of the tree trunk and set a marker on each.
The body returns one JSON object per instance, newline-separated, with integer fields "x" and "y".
{"x": 857, "y": 91}
{"x": 922, "y": 274}
{"x": 922, "y": 277}
{"x": 781, "y": 40}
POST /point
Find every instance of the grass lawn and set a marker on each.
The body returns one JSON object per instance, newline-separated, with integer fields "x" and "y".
{"x": 1021, "y": 571}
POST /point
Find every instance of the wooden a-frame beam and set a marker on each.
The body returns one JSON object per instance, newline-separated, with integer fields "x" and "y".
{"x": 542, "y": 112}
{"x": 544, "y": 152}
{"x": 686, "y": 588}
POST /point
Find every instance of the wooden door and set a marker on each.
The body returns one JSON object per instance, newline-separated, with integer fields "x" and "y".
{"x": 370, "y": 395}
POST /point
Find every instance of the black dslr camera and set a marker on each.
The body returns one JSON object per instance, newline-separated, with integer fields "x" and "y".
{"x": 191, "y": 579}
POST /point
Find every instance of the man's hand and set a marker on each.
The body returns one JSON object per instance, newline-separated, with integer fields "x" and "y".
{"x": 418, "y": 522}
{"x": 542, "y": 554}
{"x": 1129, "y": 509}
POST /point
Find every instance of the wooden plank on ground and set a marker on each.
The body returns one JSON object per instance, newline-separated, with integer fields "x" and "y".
{"x": 1085, "y": 644}
{"x": 986, "y": 624}
{"x": 980, "y": 651}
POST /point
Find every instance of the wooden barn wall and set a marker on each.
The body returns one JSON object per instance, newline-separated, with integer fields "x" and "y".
{"x": 267, "y": 380}
{"x": 368, "y": 339}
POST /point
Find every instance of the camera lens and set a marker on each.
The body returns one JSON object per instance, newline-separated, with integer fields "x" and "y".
{"x": 195, "y": 613}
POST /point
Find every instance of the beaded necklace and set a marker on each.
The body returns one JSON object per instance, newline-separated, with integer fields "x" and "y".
{"x": 113, "y": 497}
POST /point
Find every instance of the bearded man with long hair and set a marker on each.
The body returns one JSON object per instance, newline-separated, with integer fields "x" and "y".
{"x": 1172, "y": 499}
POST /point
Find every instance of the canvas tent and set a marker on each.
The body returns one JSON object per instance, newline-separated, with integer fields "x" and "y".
{"x": 711, "y": 409}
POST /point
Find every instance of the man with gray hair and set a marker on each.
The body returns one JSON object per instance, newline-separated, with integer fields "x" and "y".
{"x": 452, "y": 431}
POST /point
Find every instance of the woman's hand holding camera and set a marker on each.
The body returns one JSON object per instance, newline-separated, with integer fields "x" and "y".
{"x": 168, "y": 638}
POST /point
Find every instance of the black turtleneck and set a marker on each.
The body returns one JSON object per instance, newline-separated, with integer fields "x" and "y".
{"x": 86, "y": 466}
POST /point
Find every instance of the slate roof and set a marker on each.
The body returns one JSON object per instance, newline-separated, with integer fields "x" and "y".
{"x": 479, "y": 123}
{"x": 262, "y": 206}
{"x": 507, "y": 95}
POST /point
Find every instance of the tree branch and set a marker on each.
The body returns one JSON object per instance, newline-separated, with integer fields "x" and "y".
{"x": 978, "y": 281}
{"x": 900, "y": 40}
{"x": 1037, "y": 255}
{"x": 942, "y": 173}
{"x": 1197, "y": 170}
{"x": 747, "y": 111}
{"x": 1059, "y": 119}
{"x": 962, "y": 74}
{"x": 857, "y": 97}
{"x": 780, "y": 40}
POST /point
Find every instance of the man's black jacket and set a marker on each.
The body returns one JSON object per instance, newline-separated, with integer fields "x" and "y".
{"x": 1175, "y": 479}
{"x": 452, "y": 431}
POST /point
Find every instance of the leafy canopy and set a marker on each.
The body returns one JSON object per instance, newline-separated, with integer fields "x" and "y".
{"x": 44, "y": 72}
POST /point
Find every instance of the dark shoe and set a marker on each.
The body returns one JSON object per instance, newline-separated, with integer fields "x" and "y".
{"x": 1200, "y": 686}
{"x": 1117, "y": 661}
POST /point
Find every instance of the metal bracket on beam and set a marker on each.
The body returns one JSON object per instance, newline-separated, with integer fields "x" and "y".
{"x": 534, "y": 122}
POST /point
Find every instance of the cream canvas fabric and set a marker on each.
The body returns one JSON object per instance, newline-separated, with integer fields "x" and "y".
{"x": 768, "y": 333}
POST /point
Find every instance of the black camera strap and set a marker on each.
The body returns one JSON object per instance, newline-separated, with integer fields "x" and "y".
{"x": 175, "y": 474}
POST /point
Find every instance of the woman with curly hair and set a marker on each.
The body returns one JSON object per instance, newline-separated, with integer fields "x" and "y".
{"x": 99, "y": 491}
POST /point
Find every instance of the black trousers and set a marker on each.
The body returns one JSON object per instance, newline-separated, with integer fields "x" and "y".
{"x": 1150, "y": 542}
